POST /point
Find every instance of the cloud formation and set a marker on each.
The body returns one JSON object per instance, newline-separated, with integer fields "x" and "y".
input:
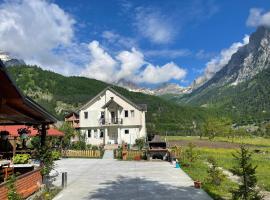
{"x": 128, "y": 65}
{"x": 258, "y": 18}
{"x": 154, "y": 26}
{"x": 36, "y": 31}
{"x": 168, "y": 53}
{"x": 218, "y": 62}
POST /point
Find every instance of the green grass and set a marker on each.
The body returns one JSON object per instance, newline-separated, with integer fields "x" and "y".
{"x": 256, "y": 141}
{"x": 225, "y": 159}
{"x": 198, "y": 171}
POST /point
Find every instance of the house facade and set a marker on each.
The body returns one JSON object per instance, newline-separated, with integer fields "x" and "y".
{"x": 110, "y": 118}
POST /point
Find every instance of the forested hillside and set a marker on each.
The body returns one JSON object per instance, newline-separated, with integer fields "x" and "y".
{"x": 60, "y": 94}
{"x": 247, "y": 101}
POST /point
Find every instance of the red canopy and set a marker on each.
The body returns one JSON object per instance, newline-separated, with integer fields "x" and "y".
{"x": 13, "y": 131}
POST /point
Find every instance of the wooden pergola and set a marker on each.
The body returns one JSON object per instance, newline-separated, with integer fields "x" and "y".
{"x": 17, "y": 109}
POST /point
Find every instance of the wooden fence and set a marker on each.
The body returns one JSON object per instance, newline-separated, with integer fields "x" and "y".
{"x": 131, "y": 154}
{"x": 134, "y": 153}
{"x": 81, "y": 153}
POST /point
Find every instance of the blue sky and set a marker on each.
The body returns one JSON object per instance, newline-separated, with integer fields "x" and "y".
{"x": 147, "y": 42}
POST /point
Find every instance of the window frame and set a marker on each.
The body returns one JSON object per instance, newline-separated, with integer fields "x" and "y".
{"x": 89, "y": 132}
{"x": 126, "y": 113}
{"x": 85, "y": 115}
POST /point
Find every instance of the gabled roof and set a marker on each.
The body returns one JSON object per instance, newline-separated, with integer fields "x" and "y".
{"x": 109, "y": 103}
{"x": 15, "y": 108}
{"x": 71, "y": 113}
{"x": 117, "y": 94}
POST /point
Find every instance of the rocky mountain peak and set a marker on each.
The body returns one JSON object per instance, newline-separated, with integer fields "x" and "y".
{"x": 10, "y": 60}
{"x": 248, "y": 61}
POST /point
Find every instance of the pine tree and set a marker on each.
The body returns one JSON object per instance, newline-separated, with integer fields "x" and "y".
{"x": 244, "y": 169}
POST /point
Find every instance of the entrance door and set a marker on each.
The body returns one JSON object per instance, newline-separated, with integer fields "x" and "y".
{"x": 113, "y": 136}
{"x": 113, "y": 117}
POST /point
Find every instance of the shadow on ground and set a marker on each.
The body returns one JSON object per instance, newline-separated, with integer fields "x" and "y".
{"x": 139, "y": 188}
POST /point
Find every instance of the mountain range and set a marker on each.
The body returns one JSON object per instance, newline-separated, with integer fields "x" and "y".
{"x": 239, "y": 90}
{"x": 60, "y": 94}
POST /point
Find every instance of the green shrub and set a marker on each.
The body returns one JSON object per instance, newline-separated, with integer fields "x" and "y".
{"x": 56, "y": 155}
{"x": 95, "y": 148}
{"x": 140, "y": 142}
{"x": 79, "y": 145}
{"x": 215, "y": 175}
{"x": 21, "y": 159}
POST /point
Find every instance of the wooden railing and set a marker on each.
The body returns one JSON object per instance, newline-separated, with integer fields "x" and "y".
{"x": 81, "y": 153}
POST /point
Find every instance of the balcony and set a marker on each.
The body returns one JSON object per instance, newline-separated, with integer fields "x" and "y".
{"x": 110, "y": 121}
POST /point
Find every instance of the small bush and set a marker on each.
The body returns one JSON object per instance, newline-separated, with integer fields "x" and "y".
{"x": 21, "y": 159}
{"x": 95, "y": 148}
{"x": 215, "y": 175}
{"x": 56, "y": 155}
{"x": 140, "y": 142}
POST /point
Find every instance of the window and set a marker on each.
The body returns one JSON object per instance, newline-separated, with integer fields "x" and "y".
{"x": 85, "y": 115}
{"x": 95, "y": 133}
{"x": 102, "y": 115}
{"x": 132, "y": 113}
{"x": 101, "y": 133}
{"x": 89, "y": 133}
{"x": 126, "y": 113}
{"x": 126, "y": 131}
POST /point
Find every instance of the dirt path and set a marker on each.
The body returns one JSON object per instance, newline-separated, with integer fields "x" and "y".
{"x": 236, "y": 179}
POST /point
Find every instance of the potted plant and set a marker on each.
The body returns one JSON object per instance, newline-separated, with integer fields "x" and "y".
{"x": 23, "y": 132}
{"x": 137, "y": 157}
{"x": 197, "y": 184}
{"x": 21, "y": 163}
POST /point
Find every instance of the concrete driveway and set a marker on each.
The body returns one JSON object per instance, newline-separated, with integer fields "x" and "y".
{"x": 116, "y": 180}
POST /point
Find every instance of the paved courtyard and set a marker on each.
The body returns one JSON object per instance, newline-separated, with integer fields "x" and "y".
{"x": 107, "y": 179}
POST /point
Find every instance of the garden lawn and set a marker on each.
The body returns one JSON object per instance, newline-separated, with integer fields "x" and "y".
{"x": 198, "y": 171}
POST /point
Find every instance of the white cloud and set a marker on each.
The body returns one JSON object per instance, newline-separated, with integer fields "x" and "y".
{"x": 154, "y": 26}
{"x": 218, "y": 62}
{"x": 258, "y": 18}
{"x": 119, "y": 41}
{"x": 171, "y": 53}
{"x": 37, "y": 31}
{"x": 128, "y": 65}
{"x": 156, "y": 74}
{"x": 131, "y": 61}
{"x": 102, "y": 66}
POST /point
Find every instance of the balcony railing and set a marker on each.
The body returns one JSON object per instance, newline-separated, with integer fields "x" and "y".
{"x": 111, "y": 121}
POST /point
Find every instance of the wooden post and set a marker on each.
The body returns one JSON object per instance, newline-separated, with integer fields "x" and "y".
{"x": 43, "y": 135}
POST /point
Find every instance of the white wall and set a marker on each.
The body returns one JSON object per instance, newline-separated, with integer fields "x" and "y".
{"x": 94, "y": 111}
{"x": 95, "y": 139}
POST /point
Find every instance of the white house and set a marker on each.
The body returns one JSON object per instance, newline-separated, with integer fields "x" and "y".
{"x": 110, "y": 118}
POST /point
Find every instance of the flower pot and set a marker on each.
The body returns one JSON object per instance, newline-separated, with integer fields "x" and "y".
{"x": 137, "y": 158}
{"x": 197, "y": 184}
{"x": 124, "y": 155}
